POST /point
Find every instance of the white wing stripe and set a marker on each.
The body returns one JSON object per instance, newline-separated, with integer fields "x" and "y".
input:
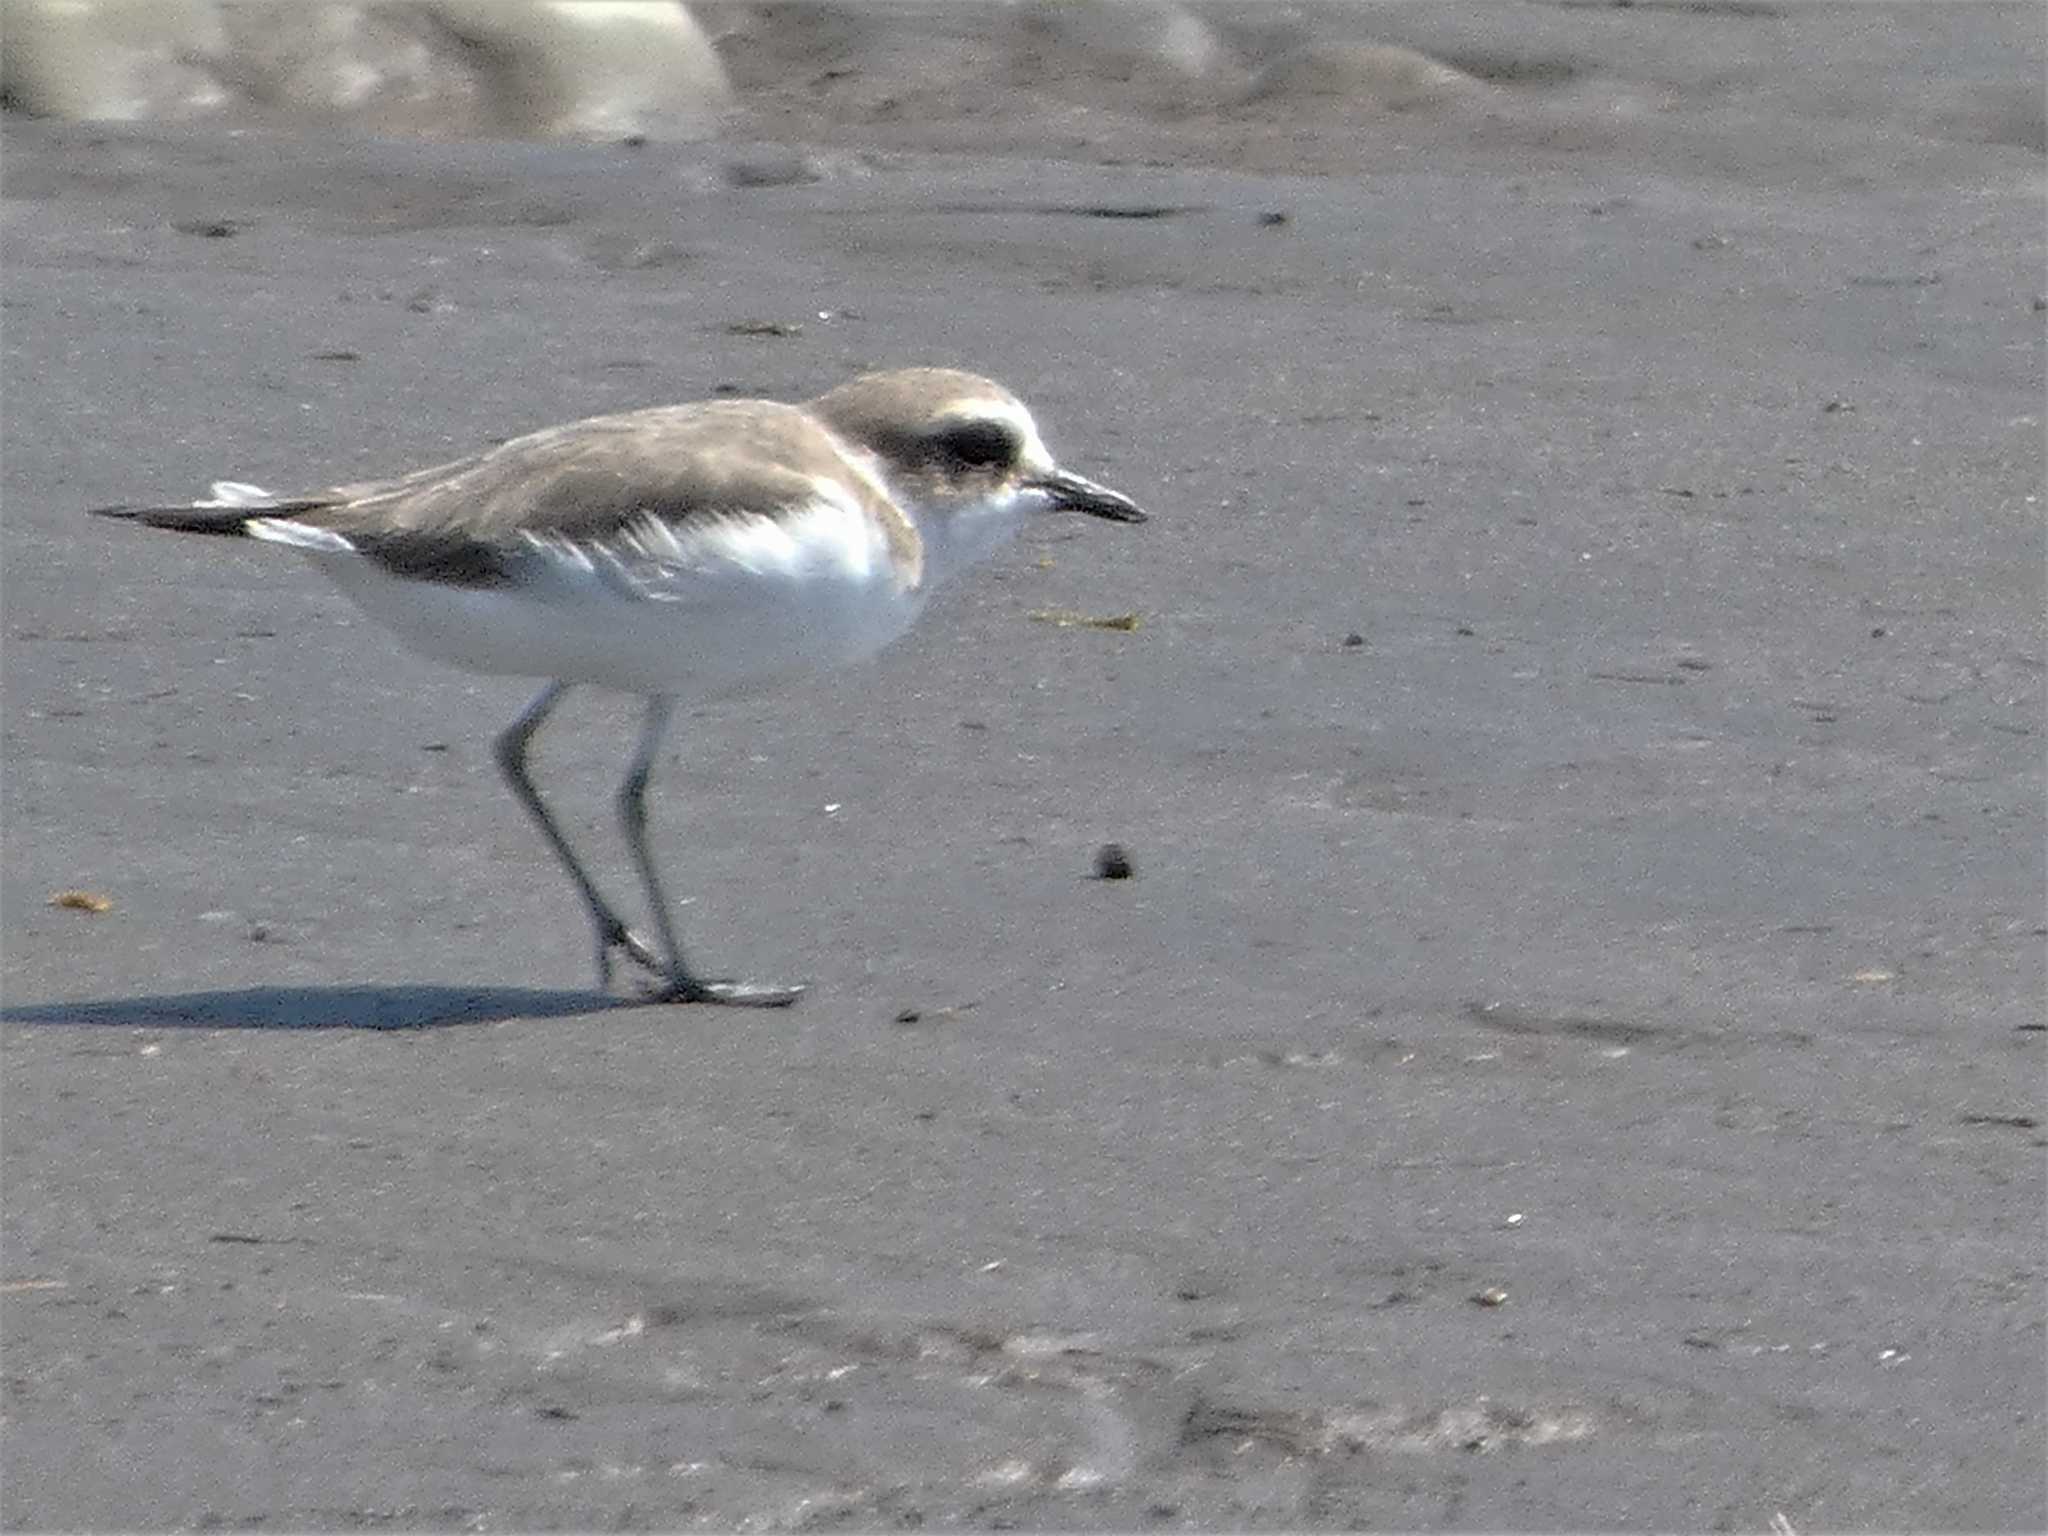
{"x": 282, "y": 530}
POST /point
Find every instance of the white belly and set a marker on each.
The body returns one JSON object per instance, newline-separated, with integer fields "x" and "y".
{"x": 719, "y": 631}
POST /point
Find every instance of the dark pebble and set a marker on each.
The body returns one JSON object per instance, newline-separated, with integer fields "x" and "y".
{"x": 1112, "y": 863}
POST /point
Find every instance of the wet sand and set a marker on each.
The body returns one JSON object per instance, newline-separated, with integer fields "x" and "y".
{"x": 1570, "y": 1053}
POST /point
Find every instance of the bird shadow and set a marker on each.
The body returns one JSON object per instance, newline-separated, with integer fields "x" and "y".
{"x": 358, "y": 1007}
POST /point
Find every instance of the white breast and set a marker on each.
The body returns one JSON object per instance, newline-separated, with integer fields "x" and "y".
{"x": 714, "y": 608}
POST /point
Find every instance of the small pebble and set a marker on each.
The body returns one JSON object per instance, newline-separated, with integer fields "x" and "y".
{"x": 1112, "y": 863}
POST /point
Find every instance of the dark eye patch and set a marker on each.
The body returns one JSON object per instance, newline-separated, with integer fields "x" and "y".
{"x": 980, "y": 444}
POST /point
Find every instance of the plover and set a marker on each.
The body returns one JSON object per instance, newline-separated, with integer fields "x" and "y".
{"x": 681, "y": 553}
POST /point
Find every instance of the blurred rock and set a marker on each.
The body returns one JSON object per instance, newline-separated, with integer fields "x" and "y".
{"x": 1245, "y": 83}
{"x": 119, "y": 59}
{"x": 517, "y": 68}
{"x": 815, "y": 42}
{"x": 1374, "y": 76}
{"x": 384, "y": 68}
{"x": 590, "y": 70}
{"x": 1162, "y": 51}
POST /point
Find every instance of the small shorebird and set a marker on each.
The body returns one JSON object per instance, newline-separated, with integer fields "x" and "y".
{"x": 681, "y": 552}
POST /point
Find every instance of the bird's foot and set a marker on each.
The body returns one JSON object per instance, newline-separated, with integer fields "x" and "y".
{"x": 613, "y": 934}
{"x": 731, "y": 994}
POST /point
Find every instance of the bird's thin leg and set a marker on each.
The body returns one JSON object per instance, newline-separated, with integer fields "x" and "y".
{"x": 683, "y": 986}
{"x": 612, "y": 932}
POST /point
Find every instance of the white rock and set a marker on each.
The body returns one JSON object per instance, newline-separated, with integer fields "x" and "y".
{"x": 109, "y": 59}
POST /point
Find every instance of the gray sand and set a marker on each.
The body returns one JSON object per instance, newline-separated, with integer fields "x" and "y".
{"x": 1569, "y": 1057}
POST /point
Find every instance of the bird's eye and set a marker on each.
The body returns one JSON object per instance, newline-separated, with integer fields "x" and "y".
{"x": 980, "y": 444}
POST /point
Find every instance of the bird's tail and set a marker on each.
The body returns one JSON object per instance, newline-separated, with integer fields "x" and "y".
{"x": 227, "y": 510}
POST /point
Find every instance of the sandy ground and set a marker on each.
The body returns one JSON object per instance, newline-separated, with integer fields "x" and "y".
{"x": 1570, "y": 1056}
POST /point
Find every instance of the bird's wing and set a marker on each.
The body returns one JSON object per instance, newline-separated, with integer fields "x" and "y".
{"x": 643, "y": 495}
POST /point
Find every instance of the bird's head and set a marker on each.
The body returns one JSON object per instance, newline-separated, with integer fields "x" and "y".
{"x": 964, "y": 456}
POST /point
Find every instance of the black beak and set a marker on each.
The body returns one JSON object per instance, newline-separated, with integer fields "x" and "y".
{"x": 1071, "y": 493}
